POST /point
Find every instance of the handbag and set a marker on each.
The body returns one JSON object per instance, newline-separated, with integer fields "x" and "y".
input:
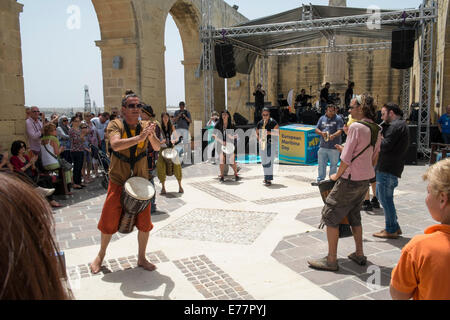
{"x": 63, "y": 163}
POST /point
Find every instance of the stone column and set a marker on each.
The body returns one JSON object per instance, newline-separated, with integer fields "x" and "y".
{"x": 12, "y": 111}
{"x": 117, "y": 80}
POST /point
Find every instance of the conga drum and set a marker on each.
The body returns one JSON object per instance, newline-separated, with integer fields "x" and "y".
{"x": 136, "y": 196}
{"x": 325, "y": 188}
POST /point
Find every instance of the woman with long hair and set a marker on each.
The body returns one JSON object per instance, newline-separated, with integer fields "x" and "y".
{"x": 50, "y": 152}
{"x": 29, "y": 268}
{"x": 169, "y": 138}
{"x": 223, "y": 131}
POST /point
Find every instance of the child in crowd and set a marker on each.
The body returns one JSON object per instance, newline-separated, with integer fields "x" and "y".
{"x": 423, "y": 271}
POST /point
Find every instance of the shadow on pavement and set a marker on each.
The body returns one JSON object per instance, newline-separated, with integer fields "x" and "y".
{"x": 93, "y": 190}
{"x": 138, "y": 280}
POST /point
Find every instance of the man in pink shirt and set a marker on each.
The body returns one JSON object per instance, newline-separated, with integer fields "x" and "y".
{"x": 34, "y": 130}
{"x": 358, "y": 159}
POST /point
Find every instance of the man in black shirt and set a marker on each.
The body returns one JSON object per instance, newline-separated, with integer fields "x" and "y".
{"x": 259, "y": 101}
{"x": 265, "y": 129}
{"x": 301, "y": 102}
{"x": 324, "y": 98}
{"x": 349, "y": 95}
{"x": 391, "y": 162}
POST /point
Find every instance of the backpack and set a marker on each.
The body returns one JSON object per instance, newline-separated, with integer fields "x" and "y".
{"x": 374, "y": 130}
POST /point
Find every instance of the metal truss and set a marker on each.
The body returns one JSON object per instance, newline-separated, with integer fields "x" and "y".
{"x": 426, "y": 53}
{"x": 405, "y": 92}
{"x": 207, "y": 67}
{"x": 327, "y": 24}
{"x": 332, "y": 48}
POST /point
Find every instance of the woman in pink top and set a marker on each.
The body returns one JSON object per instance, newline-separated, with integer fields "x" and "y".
{"x": 358, "y": 159}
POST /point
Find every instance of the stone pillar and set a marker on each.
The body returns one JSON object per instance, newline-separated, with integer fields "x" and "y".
{"x": 117, "y": 80}
{"x": 12, "y": 111}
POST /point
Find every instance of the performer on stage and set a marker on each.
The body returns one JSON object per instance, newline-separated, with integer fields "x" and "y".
{"x": 223, "y": 131}
{"x": 128, "y": 138}
{"x": 265, "y": 129}
{"x": 301, "y": 102}
{"x": 259, "y": 101}
{"x": 324, "y": 98}
{"x": 167, "y": 167}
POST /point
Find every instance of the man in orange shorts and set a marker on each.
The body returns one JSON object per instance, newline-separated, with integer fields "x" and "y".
{"x": 127, "y": 136}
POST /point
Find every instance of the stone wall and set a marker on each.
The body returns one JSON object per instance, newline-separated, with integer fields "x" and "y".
{"x": 12, "y": 112}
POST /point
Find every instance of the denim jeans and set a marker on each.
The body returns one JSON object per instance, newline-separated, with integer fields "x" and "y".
{"x": 386, "y": 183}
{"x": 267, "y": 158}
{"x": 298, "y": 114}
{"x": 325, "y": 155}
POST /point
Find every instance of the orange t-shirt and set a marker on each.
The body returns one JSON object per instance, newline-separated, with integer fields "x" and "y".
{"x": 424, "y": 265}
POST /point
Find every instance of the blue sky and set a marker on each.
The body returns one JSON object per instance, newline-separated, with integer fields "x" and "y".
{"x": 59, "y": 58}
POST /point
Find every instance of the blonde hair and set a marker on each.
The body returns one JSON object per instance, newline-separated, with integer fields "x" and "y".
{"x": 48, "y": 128}
{"x": 438, "y": 176}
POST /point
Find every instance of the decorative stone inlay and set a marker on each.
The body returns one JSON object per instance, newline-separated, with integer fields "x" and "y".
{"x": 229, "y": 226}
{"x": 113, "y": 265}
{"x": 211, "y": 281}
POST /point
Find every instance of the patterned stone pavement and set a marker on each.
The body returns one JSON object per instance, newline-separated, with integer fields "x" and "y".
{"x": 353, "y": 281}
{"x": 224, "y": 251}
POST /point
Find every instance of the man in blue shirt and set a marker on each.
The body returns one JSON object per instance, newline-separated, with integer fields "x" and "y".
{"x": 444, "y": 126}
{"x": 329, "y": 127}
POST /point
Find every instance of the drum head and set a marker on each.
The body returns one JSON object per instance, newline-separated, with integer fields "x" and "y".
{"x": 139, "y": 188}
{"x": 228, "y": 149}
{"x": 169, "y": 153}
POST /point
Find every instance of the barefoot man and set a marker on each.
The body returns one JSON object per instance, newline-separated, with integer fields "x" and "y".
{"x": 140, "y": 133}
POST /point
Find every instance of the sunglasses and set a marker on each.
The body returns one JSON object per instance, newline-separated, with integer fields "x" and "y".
{"x": 134, "y": 106}
{"x": 65, "y": 120}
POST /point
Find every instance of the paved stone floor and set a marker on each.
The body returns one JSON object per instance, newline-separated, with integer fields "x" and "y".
{"x": 235, "y": 240}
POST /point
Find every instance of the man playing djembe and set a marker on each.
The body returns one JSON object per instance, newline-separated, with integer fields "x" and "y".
{"x": 126, "y": 135}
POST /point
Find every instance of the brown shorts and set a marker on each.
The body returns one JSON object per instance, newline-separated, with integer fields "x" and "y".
{"x": 345, "y": 200}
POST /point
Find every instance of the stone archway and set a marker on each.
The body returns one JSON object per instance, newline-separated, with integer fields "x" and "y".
{"x": 133, "y": 31}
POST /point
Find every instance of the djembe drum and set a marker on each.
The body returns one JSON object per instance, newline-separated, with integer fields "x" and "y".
{"x": 136, "y": 196}
{"x": 169, "y": 155}
{"x": 325, "y": 188}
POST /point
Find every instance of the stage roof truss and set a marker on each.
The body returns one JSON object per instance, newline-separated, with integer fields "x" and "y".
{"x": 329, "y": 49}
{"x": 385, "y": 18}
{"x": 309, "y": 28}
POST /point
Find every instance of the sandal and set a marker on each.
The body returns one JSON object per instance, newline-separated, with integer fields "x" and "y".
{"x": 361, "y": 260}
{"x": 322, "y": 264}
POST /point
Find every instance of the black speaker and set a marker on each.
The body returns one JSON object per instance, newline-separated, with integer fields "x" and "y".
{"x": 411, "y": 155}
{"x": 402, "y": 52}
{"x": 412, "y": 134}
{"x": 225, "y": 65}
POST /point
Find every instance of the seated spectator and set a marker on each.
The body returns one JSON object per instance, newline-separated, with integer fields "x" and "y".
{"x": 423, "y": 272}
{"x": 63, "y": 135}
{"x": 23, "y": 164}
{"x": 29, "y": 268}
{"x": 50, "y": 152}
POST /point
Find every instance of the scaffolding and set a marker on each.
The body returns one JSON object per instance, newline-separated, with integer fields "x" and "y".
{"x": 424, "y": 19}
